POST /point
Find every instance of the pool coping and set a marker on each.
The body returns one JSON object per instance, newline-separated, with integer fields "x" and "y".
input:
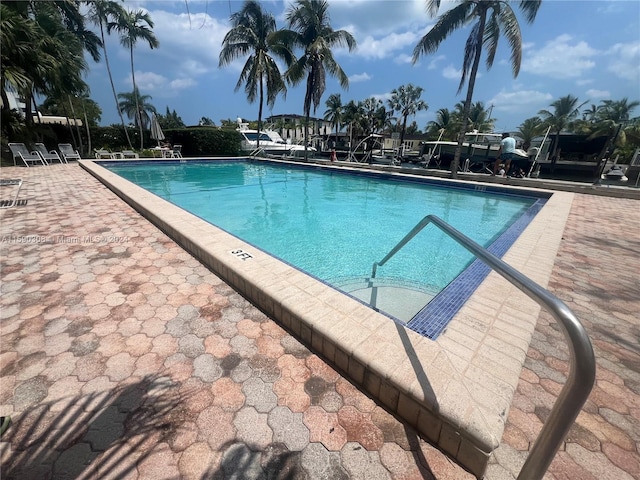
{"x": 455, "y": 390}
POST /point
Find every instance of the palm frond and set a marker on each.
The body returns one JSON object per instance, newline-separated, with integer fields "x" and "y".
{"x": 446, "y": 24}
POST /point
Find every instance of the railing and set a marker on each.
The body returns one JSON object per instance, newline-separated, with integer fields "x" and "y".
{"x": 582, "y": 370}
{"x": 256, "y": 152}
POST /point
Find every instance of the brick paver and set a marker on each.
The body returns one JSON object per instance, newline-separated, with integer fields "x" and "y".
{"x": 123, "y": 357}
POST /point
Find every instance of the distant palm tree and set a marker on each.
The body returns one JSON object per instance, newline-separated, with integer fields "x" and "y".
{"x": 479, "y": 118}
{"x": 253, "y": 34}
{"x": 334, "y": 111}
{"x": 406, "y": 101}
{"x": 530, "y": 129}
{"x": 493, "y": 18}
{"x": 370, "y": 117}
{"x": 311, "y": 30}
{"x": 206, "y": 122}
{"x": 133, "y": 26}
{"x": 137, "y": 108}
{"x": 565, "y": 110}
{"x": 101, "y": 12}
{"x": 609, "y": 120}
{"x": 589, "y": 114}
{"x": 352, "y": 114}
{"x": 445, "y": 124}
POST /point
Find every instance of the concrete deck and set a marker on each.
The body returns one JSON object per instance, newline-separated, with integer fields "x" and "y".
{"x": 104, "y": 314}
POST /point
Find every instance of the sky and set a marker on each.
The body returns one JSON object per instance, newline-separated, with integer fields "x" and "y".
{"x": 589, "y": 49}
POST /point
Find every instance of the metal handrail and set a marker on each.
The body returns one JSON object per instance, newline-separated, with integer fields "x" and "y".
{"x": 582, "y": 370}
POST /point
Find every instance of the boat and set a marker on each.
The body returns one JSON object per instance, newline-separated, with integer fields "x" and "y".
{"x": 479, "y": 152}
{"x": 271, "y": 142}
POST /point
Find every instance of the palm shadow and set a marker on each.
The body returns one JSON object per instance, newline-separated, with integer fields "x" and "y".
{"x": 92, "y": 435}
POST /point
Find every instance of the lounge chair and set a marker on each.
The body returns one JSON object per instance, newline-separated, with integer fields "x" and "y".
{"x": 129, "y": 154}
{"x": 11, "y": 182}
{"x": 47, "y": 156}
{"x": 68, "y": 152}
{"x": 20, "y": 151}
{"x": 176, "y": 151}
{"x": 102, "y": 153}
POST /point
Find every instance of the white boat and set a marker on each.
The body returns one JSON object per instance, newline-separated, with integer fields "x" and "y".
{"x": 270, "y": 142}
{"x": 478, "y": 150}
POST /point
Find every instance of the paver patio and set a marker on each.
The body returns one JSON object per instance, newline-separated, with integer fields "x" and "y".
{"x": 123, "y": 357}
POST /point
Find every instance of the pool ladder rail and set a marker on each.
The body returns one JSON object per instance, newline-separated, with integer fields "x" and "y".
{"x": 582, "y": 369}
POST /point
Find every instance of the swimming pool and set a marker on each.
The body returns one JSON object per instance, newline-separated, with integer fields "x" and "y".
{"x": 334, "y": 225}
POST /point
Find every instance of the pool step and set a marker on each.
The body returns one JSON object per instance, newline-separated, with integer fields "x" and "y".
{"x": 398, "y": 298}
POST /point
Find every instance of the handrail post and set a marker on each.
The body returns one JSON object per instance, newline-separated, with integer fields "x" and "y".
{"x": 582, "y": 368}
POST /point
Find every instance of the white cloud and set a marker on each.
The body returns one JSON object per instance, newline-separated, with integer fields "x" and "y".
{"x": 148, "y": 81}
{"x": 520, "y": 101}
{"x": 451, "y": 72}
{"x": 433, "y": 64}
{"x": 382, "y": 47}
{"x": 378, "y": 18}
{"x": 182, "y": 83}
{"x": 561, "y": 59}
{"x": 198, "y": 34}
{"x": 359, "y": 77}
{"x": 403, "y": 58}
{"x": 151, "y": 83}
{"x": 593, "y": 93}
{"x": 624, "y": 61}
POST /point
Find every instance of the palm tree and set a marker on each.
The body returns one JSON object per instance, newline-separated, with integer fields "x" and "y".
{"x": 493, "y": 18}
{"x": 479, "y": 118}
{"x": 530, "y": 129}
{"x": 445, "y": 124}
{"x": 253, "y": 34}
{"x": 206, "y": 122}
{"x": 101, "y": 13}
{"x": 137, "y": 108}
{"x": 609, "y": 120}
{"x": 311, "y": 30}
{"x": 565, "y": 109}
{"x": 334, "y": 111}
{"x": 133, "y": 26}
{"x": 42, "y": 52}
{"x": 370, "y": 115}
{"x": 352, "y": 114}
{"x": 406, "y": 101}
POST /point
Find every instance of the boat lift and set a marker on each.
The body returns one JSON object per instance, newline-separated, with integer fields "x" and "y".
{"x": 368, "y": 157}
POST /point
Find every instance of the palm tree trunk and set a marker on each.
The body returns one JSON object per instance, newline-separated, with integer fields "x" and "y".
{"x": 404, "y": 129}
{"x": 86, "y": 124}
{"x": 260, "y": 114}
{"x": 467, "y": 102}
{"x": 113, "y": 88}
{"x": 73, "y": 112}
{"x": 307, "y": 112}
{"x": 135, "y": 94}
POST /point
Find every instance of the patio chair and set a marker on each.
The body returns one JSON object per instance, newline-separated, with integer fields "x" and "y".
{"x": 20, "y": 151}
{"x": 129, "y": 154}
{"x": 47, "y": 156}
{"x": 102, "y": 153}
{"x": 68, "y": 152}
{"x": 176, "y": 151}
{"x": 11, "y": 182}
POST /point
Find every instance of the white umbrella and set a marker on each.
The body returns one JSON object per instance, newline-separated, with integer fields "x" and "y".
{"x": 156, "y": 130}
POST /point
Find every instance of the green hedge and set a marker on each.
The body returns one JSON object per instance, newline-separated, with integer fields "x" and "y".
{"x": 205, "y": 141}
{"x": 195, "y": 141}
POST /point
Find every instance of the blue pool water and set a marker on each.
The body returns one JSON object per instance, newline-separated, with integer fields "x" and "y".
{"x": 331, "y": 224}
